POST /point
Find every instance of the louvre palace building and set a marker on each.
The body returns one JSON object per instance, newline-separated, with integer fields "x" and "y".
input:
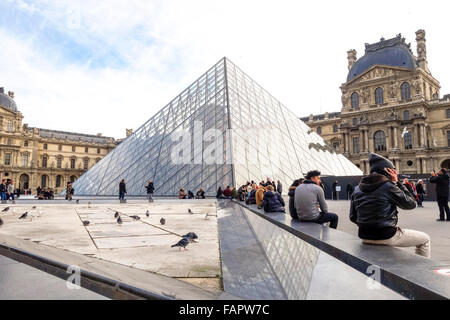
{"x": 34, "y": 157}
{"x": 392, "y": 105}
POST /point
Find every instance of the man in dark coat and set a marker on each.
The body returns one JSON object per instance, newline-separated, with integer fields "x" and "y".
{"x": 122, "y": 189}
{"x": 150, "y": 189}
{"x": 272, "y": 201}
{"x": 441, "y": 181}
{"x": 374, "y": 208}
{"x": 350, "y": 190}
{"x": 420, "y": 193}
{"x": 334, "y": 185}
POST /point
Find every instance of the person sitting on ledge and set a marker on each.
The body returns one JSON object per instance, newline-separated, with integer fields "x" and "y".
{"x": 190, "y": 194}
{"x": 251, "y": 197}
{"x": 219, "y": 194}
{"x": 227, "y": 192}
{"x": 259, "y": 195}
{"x": 272, "y": 201}
{"x": 182, "y": 194}
{"x": 374, "y": 205}
{"x": 291, "y": 194}
{"x": 200, "y": 194}
{"x": 309, "y": 197}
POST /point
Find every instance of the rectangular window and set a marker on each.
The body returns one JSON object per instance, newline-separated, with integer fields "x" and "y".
{"x": 356, "y": 145}
{"x": 448, "y": 138}
{"x": 25, "y": 160}
{"x": 59, "y": 147}
{"x": 86, "y": 164}
{"x": 58, "y": 162}
{"x": 98, "y": 150}
{"x": 44, "y": 162}
{"x": 86, "y": 149}
{"x": 73, "y": 148}
{"x": 72, "y": 163}
{"x": 7, "y": 159}
{"x": 25, "y": 144}
{"x": 408, "y": 141}
{"x": 336, "y": 145}
{"x": 45, "y": 146}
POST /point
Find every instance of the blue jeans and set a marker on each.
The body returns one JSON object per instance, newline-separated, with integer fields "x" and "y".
{"x": 121, "y": 195}
{"x": 11, "y": 196}
{"x": 3, "y": 195}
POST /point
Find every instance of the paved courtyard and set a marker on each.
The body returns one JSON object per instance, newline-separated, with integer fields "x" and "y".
{"x": 142, "y": 244}
{"x": 421, "y": 219}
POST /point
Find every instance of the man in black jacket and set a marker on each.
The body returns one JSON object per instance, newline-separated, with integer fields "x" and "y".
{"x": 374, "y": 208}
{"x": 150, "y": 189}
{"x": 122, "y": 189}
{"x": 441, "y": 181}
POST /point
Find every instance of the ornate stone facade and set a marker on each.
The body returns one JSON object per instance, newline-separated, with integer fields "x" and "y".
{"x": 34, "y": 157}
{"x": 390, "y": 105}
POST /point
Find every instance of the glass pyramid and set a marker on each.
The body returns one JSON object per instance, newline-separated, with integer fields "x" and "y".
{"x": 222, "y": 130}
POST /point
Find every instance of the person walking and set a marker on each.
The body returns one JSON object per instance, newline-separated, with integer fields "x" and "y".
{"x": 420, "y": 193}
{"x": 349, "y": 190}
{"x": 309, "y": 197}
{"x": 279, "y": 187}
{"x": 122, "y": 189}
{"x": 150, "y": 188}
{"x": 441, "y": 180}
{"x": 69, "y": 191}
{"x": 373, "y": 209}
{"x": 334, "y": 187}
{"x": 10, "y": 190}
{"x": 3, "y": 190}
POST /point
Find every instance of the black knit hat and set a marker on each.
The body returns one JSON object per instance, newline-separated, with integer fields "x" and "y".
{"x": 378, "y": 164}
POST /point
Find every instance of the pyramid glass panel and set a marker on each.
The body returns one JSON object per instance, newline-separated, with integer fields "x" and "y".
{"x": 224, "y": 129}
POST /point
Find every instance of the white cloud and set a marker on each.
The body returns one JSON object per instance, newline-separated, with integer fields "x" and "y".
{"x": 296, "y": 50}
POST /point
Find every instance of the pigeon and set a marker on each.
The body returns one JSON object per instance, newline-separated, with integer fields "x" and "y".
{"x": 191, "y": 235}
{"x": 89, "y": 204}
{"x": 78, "y": 201}
{"x": 190, "y": 211}
{"x": 1, "y": 221}
{"x": 23, "y": 216}
{"x": 119, "y": 220}
{"x": 182, "y": 243}
{"x": 6, "y": 209}
{"x": 206, "y": 216}
{"x": 147, "y": 213}
{"x": 33, "y": 207}
{"x": 162, "y": 221}
{"x": 86, "y": 223}
{"x": 116, "y": 215}
{"x": 135, "y": 217}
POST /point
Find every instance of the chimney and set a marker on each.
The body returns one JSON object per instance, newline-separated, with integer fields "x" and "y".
{"x": 11, "y": 94}
{"x": 351, "y": 57}
{"x": 99, "y": 134}
{"x": 128, "y": 132}
{"x": 422, "y": 50}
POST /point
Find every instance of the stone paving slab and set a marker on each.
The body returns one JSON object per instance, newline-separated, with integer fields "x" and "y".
{"x": 143, "y": 243}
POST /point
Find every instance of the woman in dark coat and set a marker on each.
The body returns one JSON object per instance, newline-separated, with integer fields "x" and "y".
{"x": 272, "y": 201}
{"x": 291, "y": 194}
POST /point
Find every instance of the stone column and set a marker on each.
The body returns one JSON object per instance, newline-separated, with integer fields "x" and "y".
{"x": 366, "y": 139}
{"x": 424, "y": 165}
{"x": 389, "y": 139}
{"x": 422, "y": 135}
{"x": 418, "y": 165}
{"x": 395, "y": 137}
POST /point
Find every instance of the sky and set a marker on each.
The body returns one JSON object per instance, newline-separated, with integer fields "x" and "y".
{"x": 106, "y": 65}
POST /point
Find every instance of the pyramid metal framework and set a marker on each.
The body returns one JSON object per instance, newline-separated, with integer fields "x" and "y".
{"x": 226, "y": 116}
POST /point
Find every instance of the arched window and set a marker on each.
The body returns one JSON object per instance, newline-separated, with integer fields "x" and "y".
{"x": 72, "y": 179}
{"x": 448, "y": 113}
{"x": 44, "y": 162}
{"x": 379, "y": 97}
{"x": 379, "y": 141}
{"x": 335, "y": 128}
{"x": 25, "y": 160}
{"x": 407, "y": 139}
{"x": 86, "y": 163}
{"x": 355, "y": 121}
{"x": 319, "y": 130}
{"x": 355, "y": 100}
{"x": 406, "y": 91}
{"x": 406, "y": 115}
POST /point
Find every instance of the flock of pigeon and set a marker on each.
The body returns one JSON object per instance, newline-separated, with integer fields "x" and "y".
{"x": 22, "y": 216}
{"x": 185, "y": 240}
